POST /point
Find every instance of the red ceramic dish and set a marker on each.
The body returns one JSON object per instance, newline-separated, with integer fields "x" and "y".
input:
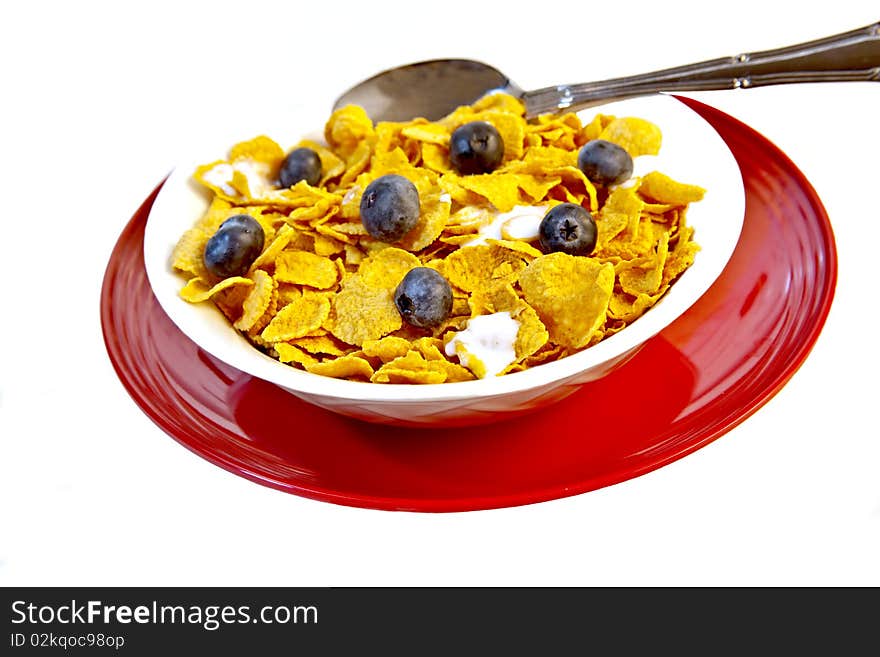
{"x": 717, "y": 364}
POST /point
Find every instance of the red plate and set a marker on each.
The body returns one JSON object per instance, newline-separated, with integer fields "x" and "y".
{"x": 699, "y": 378}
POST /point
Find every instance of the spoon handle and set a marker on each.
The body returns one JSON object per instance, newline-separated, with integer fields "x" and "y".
{"x": 848, "y": 57}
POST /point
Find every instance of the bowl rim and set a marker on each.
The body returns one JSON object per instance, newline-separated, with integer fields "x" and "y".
{"x": 691, "y": 285}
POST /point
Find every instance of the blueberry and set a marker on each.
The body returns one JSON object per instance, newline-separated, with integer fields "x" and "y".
{"x": 390, "y": 207}
{"x": 475, "y": 147}
{"x": 604, "y": 162}
{"x": 234, "y": 246}
{"x": 423, "y": 297}
{"x": 300, "y": 164}
{"x": 568, "y": 228}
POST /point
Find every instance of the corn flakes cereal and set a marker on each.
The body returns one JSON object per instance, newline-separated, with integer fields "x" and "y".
{"x": 196, "y": 290}
{"x": 662, "y": 188}
{"x": 635, "y": 135}
{"x": 570, "y": 295}
{"x": 297, "y": 319}
{"x": 344, "y": 367}
{"x": 363, "y": 313}
{"x": 306, "y": 268}
{"x": 257, "y": 302}
{"x": 387, "y": 348}
{"x": 288, "y": 353}
{"x": 410, "y": 368}
{"x": 320, "y": 295}
{"x": 482, "y": 266}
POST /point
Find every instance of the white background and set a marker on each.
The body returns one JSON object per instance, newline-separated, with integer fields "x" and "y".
{"x": 97, "y": 99}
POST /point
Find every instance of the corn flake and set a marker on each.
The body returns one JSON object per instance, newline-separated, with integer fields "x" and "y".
{"x": 257, "y": 302}
{"x": 570, "y": 295}
{"x": 297, "y": 319}
{"x": 362, "y": 312}
{"x": 660, "y": 187}
{"x": 636, "y": 136}
{"x": 482, "y": 266}
{"x": 344, "y": 367}
{"x": 306, "y": 268}
{"x": 196, "y": 290}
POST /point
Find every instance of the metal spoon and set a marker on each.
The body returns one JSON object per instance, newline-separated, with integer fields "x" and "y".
{"x": 434, "y": 88}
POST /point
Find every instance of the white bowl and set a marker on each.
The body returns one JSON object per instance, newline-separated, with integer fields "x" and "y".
{"x": 691, "y": 152}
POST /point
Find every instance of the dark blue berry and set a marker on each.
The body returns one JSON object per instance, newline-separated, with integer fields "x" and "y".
{"x": 234, "y": 247}
{"x": 390, "y": 207}
{"x": 423, "y": 297}
{"x": 300, "y": 164}
{"x": 604, "y": 162}
{"x": 568, "y": 228}
{"x": 476, "y": 147}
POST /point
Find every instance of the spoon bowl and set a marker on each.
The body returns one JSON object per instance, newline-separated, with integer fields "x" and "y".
{"x": 433, "y": 88}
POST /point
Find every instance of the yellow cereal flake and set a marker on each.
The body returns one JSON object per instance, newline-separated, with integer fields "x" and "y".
{"x": 286, "y": 293}
{"x": 532, "y": 334}
{"x": 537, "y": 188}
{"x": 608, "y": 226}
{"x": 386, "y": 349}
{"x": 257, "y": 301}
{"x": 570, "y": 295}
{"x": 196, "y": 290}
{"x": 502, "y": 190}
{"x": 330, "y": 233}
{"x": 411, "y": 368}
{"x": 636, "y": 136}
{"x": 435, "y": 158}
{"x": 454, "y": 372}
{"x": 319, "y": 344}
{"x": 254, "y": 331}
{"x": 288, "y": 353}
{"x": 628, "y": 308}
{"x": 327, "y": 245}
{"x": 646, "y": 278}
{"x": 312, "y": 210}
{"x": 386, "y": 268}
{"x": 661, "y": 188}
{"x": 431, "y": 133}
{"x": 681, "y": 256}
{"x": 482, "y": 266}
{"x": 362, "y": 312}
{"x": 297, "y": 319}
{"x": 188, "y": 254}
{"x": 356, "y": 163}
{"x": 348, "y": 128}
{"x": 267, "y": 258}
{"x": 430, "y": 348}
{"x": 351, "y": 228}
{"x": 259, "y": 149}
{"x": 523, "y": 248}
{"x": 230, "y": 301}
{"x": 625, "y": 201}
{"x": 497, "y": 299}
{"x": 314, "y": 202}
{"x": 344, "y": 367}
{"x": 595, "y": 127}
{"x": 306, "y": 268}
{"x": 502, "y": 102}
